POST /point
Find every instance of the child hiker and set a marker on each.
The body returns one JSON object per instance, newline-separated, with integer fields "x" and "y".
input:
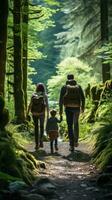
{"x": 52, "y": 130}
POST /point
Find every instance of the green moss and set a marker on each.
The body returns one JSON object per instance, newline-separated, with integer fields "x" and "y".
{"x": 15, "y": 160}
{"x": 7, "y": 177}
{"x": 104, "y": 158}
{"x": 102, "y": 155}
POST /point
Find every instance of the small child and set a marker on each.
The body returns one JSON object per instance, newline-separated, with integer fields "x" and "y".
{"x": 52, "y": 130}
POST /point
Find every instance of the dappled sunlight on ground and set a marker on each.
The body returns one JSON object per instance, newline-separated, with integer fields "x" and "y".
{"x": 73, "y": 173}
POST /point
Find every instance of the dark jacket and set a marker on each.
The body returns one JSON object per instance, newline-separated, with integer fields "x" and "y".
{"x": 52, "y": 124}
{"x": 63, "y": 92}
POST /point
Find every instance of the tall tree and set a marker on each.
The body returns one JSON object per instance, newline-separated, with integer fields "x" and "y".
{"x": 104, "y": 37}
{"x": 3, "y": 42}
{"x": 18, "y": 71}
{"x": 25, "y": 9}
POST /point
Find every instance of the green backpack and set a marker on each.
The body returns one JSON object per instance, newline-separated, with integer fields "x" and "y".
{"x": 38, "y": 103}
{"x": 72, "y": 96}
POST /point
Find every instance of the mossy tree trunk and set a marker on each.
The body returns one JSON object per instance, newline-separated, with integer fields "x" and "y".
{"x": 104, "y": 37}
{"x": 3, "y": 42}
{"x": 18, "y": 71}
{"x": 25, "y": 46}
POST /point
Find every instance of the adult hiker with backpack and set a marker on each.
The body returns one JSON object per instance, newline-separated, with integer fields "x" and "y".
{"x": 72, "y": 98}
{"x": 38, "y": 107}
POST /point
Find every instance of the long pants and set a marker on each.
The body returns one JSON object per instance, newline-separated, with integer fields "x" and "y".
{"x": 39, "y": 129}
{"x": 55, "y": 142}
{"x": 72, "y": 118}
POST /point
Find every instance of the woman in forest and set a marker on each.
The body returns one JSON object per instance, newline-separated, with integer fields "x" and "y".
{"x": 38, "y": 107}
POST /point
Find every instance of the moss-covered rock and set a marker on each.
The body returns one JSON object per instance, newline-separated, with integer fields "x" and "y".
{"x": 15, "y": 160}
{"x": 103, "y": 147}
{"x": 8, "y": 178}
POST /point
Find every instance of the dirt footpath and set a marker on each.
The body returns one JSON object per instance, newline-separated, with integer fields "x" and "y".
{"x": 72, "y": 173}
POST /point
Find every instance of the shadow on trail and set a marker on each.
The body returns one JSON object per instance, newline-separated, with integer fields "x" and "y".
{"x": 77, "y": 156}
{"x": 42, "y": 154}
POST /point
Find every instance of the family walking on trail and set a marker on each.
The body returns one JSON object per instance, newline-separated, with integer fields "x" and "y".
{"x": 72, "y": 99}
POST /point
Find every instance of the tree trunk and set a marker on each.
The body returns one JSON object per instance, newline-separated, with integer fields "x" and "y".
{"x": 25, "y": 47}
{"x": 3, "y": 41}
{"x": 104, "y": 37}
{"x": 18, "y": 72}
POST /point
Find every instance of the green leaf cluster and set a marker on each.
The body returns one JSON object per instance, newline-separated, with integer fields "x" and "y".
{"x": 82, "y": 73}
{"x": 105, "y": 53}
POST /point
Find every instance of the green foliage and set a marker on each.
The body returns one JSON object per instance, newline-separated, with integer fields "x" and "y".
{"x": 102, "y": 152}
{"x": 80, "y": 34}
{"x": 41, "y": 21}
{"x": 81, "y": 71}
{"x": 105, "y": 53}
{"x": 21, "y": 163}
{"x": 63, "y": 129}
{"x": 30, "y": 85}
{"x": 85, "y": 129}
{"x": 7, "y": 177}
{"x": 45, "y": 65}
{"x": 52, "y": 2}
{"x": 104, "y": 112}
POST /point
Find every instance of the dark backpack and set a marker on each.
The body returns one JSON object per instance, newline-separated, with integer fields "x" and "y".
{"x": 72, "y": 96}
{"x": 38, "y": 103}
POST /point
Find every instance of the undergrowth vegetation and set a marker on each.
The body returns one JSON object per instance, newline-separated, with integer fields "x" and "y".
{"x": 15, "y": 162}
{"x": 99, "y": 117}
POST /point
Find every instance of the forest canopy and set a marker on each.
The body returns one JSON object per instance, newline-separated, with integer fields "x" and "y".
{"x": 42, "y": 42}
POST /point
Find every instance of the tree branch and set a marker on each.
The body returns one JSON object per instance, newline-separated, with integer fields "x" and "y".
{"x": 9, "y": 73}
{"x": 36, "y": 17}
{"x": 11, "y": 10}
{"x": 10, "y": 47}
{"x": 12, "y": 93}
{"x": 10, "y": 83}
{"x": 35, "y": 11}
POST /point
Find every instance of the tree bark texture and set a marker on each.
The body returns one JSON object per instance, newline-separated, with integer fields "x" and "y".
{"x": 3, "y": 42}
{"x": 25, "y": 47}
{"x": 104, "y": 37}
{"x": 18, "y": 71}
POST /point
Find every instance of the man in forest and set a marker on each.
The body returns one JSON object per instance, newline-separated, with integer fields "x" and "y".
{"x": 72, "y": 97}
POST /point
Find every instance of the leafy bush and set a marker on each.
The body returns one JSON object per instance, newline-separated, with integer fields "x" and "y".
{"x": 103, "y": 146}
{"x": 81, "y": 71}
{"x": 104, "y": 112}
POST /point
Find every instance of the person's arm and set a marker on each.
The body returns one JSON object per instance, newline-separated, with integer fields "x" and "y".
{"x": 62, "y": 93}
{"x": 82, "y": 99}
{"x": 47, "y": 106}
{"x": 47, "y": 125}
{"x": 29, "y": 107}
{"x": 60, "y": 120}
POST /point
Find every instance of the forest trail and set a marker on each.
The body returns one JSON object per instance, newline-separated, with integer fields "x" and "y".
{"x": 72, "y": 173}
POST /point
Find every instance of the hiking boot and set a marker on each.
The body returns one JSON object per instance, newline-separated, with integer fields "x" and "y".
{"x": 36, "y": 147}
{"x": 41, "y": 145}
{"x": 52, "y": 151}
{"x": 76, "y": 144}
{"x": 56, "y": 148}
{"x": 71, "y": 149}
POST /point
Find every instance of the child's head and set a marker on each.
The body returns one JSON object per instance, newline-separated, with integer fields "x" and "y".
{"x": 53, "y": 113}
